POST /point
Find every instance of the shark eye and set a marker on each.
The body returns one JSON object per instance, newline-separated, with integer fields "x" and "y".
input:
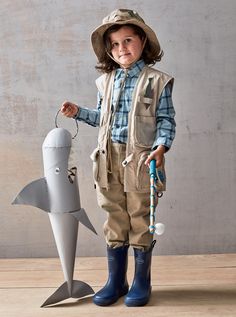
{"x": 57, "y": 170}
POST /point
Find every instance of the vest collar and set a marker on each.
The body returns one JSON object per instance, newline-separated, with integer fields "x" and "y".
{"x": 135, "y": 70}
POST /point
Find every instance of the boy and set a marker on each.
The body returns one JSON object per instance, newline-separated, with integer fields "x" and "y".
{"x": 136, "y": 119}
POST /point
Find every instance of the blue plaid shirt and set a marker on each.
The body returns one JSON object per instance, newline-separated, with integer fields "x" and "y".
{"x": 165, "y": 111}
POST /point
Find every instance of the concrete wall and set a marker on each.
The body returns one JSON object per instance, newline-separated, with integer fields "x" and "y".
{"x": 46, "y": 57}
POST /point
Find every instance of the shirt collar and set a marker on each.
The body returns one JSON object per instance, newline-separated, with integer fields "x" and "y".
{"x": 133, "y": 71}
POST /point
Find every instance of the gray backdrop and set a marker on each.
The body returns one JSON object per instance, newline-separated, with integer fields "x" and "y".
{"x": 46, "y": 58}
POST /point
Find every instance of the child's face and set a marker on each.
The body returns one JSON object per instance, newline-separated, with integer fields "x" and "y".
{"x": 126, "y": 46}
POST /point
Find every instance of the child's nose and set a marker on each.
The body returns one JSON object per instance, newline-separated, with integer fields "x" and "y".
{"x": 123, "y": 46}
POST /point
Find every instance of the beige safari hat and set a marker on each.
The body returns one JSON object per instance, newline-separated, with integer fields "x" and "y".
{"x": 122, "y": 16}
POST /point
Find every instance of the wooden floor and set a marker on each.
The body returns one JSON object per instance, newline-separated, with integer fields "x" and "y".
{"x": 199, "y": 285}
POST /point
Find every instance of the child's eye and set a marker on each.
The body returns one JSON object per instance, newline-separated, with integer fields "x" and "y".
{"x": 113, "y": 45}
{"x": 128, "y": 41}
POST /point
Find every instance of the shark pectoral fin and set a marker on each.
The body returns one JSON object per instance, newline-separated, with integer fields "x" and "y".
{"x": 82, "y": 217}
{"x": 34, "y": 194}
{"x": 59, "y": 295}
{"x": 81, "y": 289}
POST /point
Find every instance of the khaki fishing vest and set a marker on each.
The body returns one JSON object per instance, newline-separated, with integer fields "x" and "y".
{"x": 141, "y": 130}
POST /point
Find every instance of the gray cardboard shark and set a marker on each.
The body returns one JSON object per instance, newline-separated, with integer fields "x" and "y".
{"x": 58, "y": 194}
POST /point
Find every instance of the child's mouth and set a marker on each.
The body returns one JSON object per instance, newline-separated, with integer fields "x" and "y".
{"x": 124, "y": 55}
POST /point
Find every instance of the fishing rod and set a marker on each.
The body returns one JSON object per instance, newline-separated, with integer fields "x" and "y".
{"x": 157, "y": 228}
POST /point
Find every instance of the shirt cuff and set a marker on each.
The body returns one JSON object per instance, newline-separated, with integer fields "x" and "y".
{"x": 81, "y": 114}
{"x": 162, "y": 141}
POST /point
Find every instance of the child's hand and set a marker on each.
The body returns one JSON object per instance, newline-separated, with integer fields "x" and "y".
{"x": 69, "y": 109}
{"x": 157, "y": 155}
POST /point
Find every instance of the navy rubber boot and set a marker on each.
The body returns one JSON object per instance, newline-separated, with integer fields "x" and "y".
{"x": 140, "y": 290}
{"x": 117, "y": 284}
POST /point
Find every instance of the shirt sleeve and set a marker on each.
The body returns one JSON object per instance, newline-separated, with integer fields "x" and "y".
{"x": 90, "y": 116}
{"x": 165, "y": 120}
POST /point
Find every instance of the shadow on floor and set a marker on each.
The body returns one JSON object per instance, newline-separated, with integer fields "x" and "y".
{"x": 188, "y": 297}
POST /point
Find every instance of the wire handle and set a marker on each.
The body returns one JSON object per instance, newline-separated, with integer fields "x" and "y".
{"x": 76, "y": 122}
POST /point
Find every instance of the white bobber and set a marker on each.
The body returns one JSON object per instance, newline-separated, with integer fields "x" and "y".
{"x": 159, "y": 228}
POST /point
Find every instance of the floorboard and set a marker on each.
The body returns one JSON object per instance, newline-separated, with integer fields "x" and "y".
{"x": 193, "y": 285}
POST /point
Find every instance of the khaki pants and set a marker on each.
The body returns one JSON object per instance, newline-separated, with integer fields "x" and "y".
{"x": 128, "y": 213}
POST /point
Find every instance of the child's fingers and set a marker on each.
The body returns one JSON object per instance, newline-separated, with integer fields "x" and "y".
{"x": 154, "y": 156}
{"x": 68, "y": 109}
{"x": 148, "y": 160}
{"x": 64, "y": 107}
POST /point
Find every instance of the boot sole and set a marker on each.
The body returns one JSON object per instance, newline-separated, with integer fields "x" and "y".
{"x": 110, "y": 301}
{"x": 136, "y": 303}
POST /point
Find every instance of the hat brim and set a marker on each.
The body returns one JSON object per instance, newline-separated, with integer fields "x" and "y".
{"x": 98, "y": 33}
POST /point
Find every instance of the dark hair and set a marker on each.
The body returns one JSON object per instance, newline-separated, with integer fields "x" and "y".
{"x": 106, "y": 64}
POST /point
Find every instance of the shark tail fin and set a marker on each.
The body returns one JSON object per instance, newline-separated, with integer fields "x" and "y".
{"x": 79, "y": 289}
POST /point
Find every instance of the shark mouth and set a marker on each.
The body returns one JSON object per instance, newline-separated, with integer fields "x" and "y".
{"x": 71, "y": 174}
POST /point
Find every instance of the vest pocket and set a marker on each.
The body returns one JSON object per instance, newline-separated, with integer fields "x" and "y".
{"x": 95, "y": 158}
{"x": 144, "y": 131}
{"x": 143, "y": 179}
